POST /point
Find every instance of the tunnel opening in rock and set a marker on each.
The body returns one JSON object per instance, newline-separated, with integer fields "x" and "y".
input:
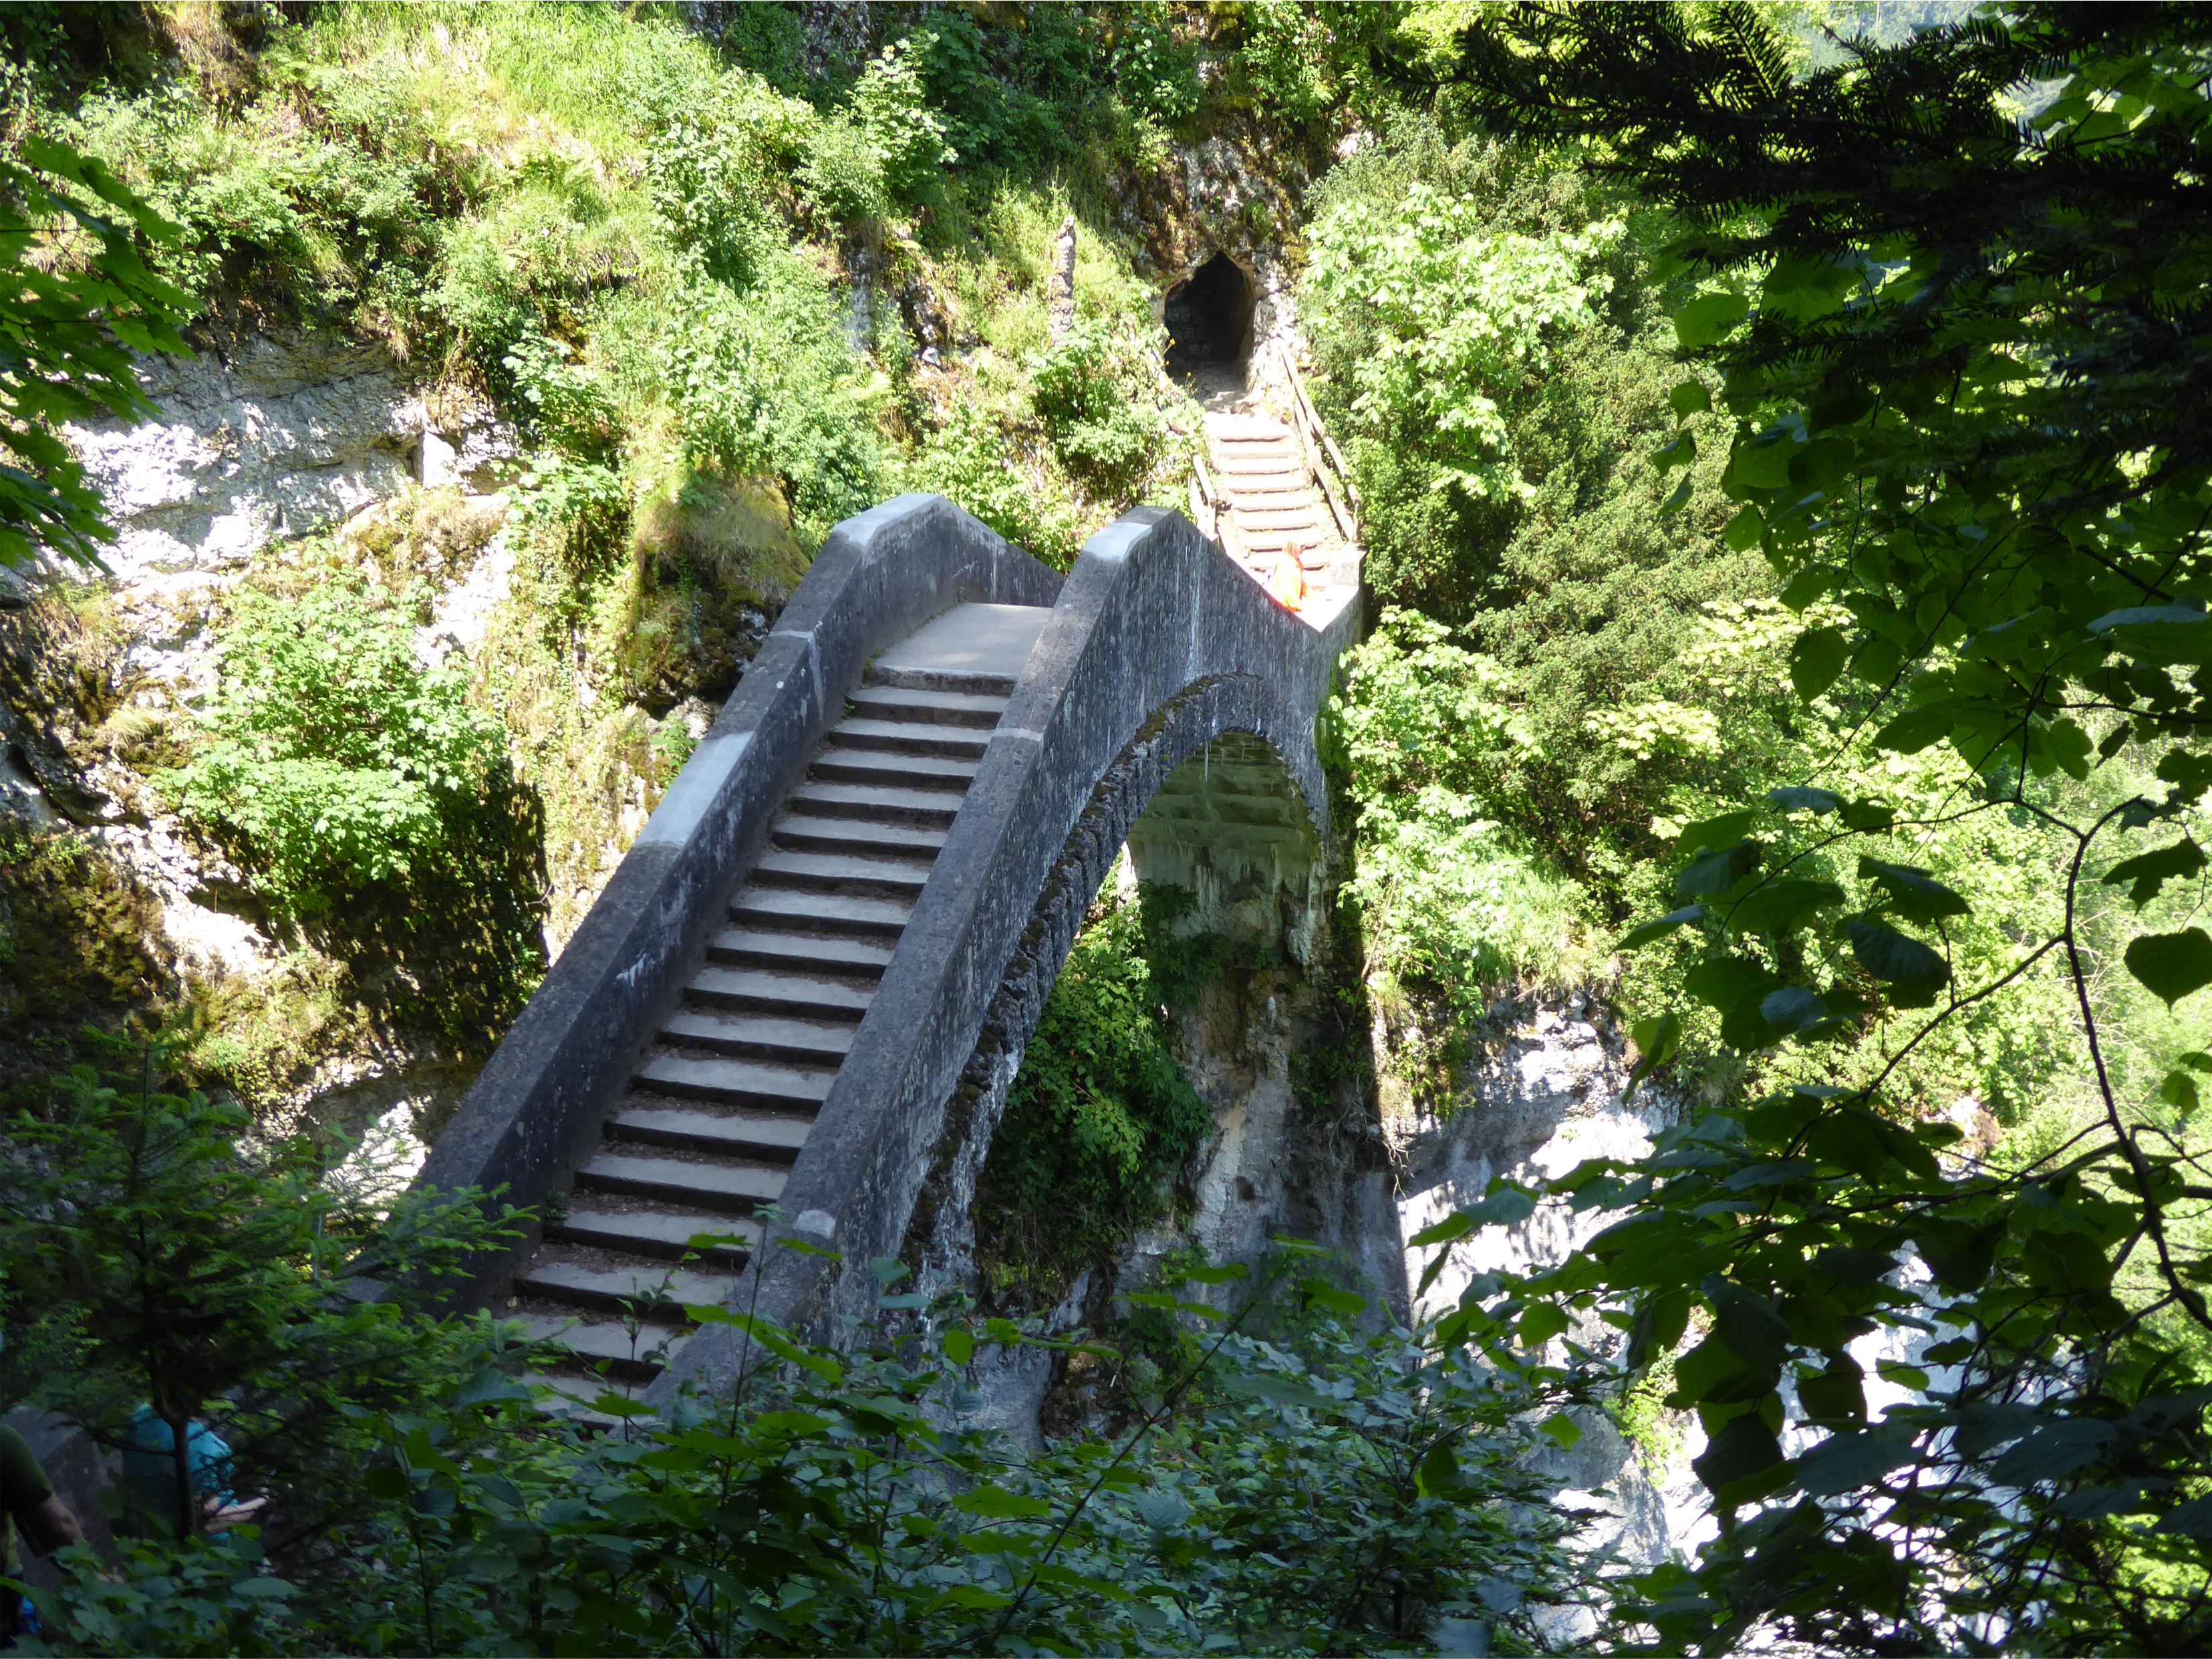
{"x": 1209, "y": 322}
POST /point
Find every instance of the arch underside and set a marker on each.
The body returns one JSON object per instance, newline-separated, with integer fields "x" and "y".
{"x": 1220, "y": 795}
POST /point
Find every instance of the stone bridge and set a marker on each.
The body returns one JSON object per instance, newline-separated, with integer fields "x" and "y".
{"x": 811, "y": 982}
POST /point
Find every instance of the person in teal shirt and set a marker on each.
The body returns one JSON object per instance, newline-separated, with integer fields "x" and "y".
{"x": 149, "y": 1469}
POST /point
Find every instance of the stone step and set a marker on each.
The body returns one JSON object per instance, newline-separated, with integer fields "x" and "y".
{"x": 899, "y": 702}
{"x": 1244, "y": 458}
{"x": 573, "y": 1395}
{"x": 708, "y": 1183}
{"x": 911, "y": 737}
{"x": 638, "y": 1360}
{"x": 884, "y": 802}
{"x": 809, "y": 996}
{"x": 769, "y": 1137}
{"x": 1316, "y": 551}
{"x": 802, "y": 832}
{"x": 821, "y": 912}
{"x": 842, "y": 872}
{"x": 876, "y": 766}
{"x": 586, "y": 1279}
{"x": 1290, "y": 516}
{"x": 1266, "y": 486}
{"x": 657, "y": 1231}
{"x": 1236, "y": 428}
{"x": 734, "y": 1082}
{"x": 771, "y": 947}
{"x": 764, "y": 1036}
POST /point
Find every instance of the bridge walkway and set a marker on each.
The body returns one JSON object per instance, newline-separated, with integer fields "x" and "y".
{"x": 722, "y": 1100}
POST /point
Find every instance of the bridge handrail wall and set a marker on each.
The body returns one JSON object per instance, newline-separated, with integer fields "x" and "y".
{"x": 535, "y": 1113}
{"x": 1151, "y": 610}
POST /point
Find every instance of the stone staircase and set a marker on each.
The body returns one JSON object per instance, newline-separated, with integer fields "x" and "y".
{"x": 1271, "y": 499}
{"x": 721, "y": 1102}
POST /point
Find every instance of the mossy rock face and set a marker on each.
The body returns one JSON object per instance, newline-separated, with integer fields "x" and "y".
{"x": 81, "y": 943}
{"x": 713, "y": 561}
{"x": 61, "y": 676}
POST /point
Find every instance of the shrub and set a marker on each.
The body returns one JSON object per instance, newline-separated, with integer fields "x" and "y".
{"x": 1154, "y": 72}
{"x": 1100, "y": 1121}
{"x": 890, "y": 108}
{"x": 335, "y": 761}
{"x": 971, "y": 461}
{"x": 1098, "y": 393}
{"x": 714, "y": 173}
{"x": 843, "y": 173}
{"x": 1285, "y": 57}
{"x": 770, "y": 389}
{"x": 770, "y": 41}
{"x": 160, "y": 1255}
{"x": 1300, "y": 1486}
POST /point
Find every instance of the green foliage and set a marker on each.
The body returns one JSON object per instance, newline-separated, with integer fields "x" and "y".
{"x": 1312, "y": 1489}
{"x": 335, "y": 761}
{"x": 1154, "y": 63}
{"x": 769, "y": 387}
{"x": 1100, "y": 1121}
{"x": 1437, "y": 316}
{"x": 1444, "y": 898}
{"x": 714, "y": 169}
{"x": 769, "y": 40}
{"x": 1285, "y": 56}
{"x": 1099, "y": 395}
{"x": 1968, "y": 450}
{"x": 155, "y": 1259}
{"x": 968, "y": 462}
{"x": 1008, "y": 100}
{"x": 80, "y": 298}
{"x": 80, "y": 941}
{"x": 891, "y": 107}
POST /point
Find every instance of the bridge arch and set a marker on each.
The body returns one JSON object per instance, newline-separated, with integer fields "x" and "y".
{"x": 1212, "y": 799}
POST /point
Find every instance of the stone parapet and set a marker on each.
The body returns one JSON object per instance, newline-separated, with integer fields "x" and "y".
{"x": 536, "y": 1111}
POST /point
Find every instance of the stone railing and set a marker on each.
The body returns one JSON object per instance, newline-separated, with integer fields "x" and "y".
{"x": 536, "y": 1112}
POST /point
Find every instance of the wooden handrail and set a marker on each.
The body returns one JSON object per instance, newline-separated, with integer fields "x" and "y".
{"x": 1304, "y": 399}
{"x": 1332, "y": 476}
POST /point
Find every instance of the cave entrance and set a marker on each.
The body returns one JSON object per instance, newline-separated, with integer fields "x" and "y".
{"x": 1209, "y": 322}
